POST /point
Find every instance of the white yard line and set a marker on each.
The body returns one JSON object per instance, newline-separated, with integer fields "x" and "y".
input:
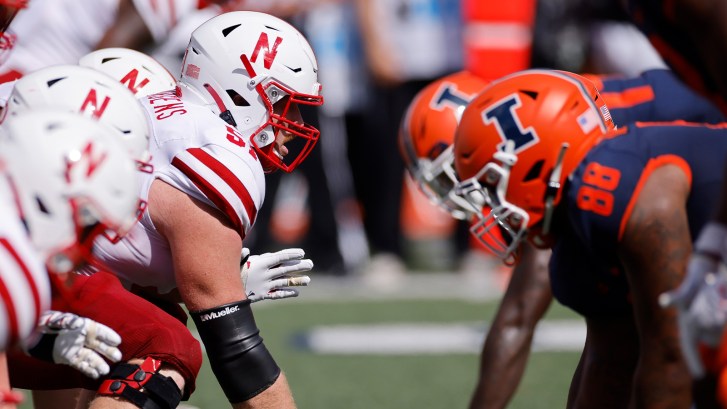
{"x": 421, "y": 339}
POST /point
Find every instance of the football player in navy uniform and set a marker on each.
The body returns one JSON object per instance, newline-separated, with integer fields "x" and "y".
{"x": 539, "y": 153}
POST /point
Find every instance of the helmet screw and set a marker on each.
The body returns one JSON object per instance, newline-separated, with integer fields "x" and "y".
{"x": 263, "y": 137}
{"x": 274, "y": 93}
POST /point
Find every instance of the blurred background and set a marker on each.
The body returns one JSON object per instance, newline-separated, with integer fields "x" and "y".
{"x": 400, "y": 297}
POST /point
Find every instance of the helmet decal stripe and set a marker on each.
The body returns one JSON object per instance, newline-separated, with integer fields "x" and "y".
{"x": 504, "y": 116}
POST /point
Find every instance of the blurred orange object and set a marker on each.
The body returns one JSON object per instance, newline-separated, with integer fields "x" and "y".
{"x": 420, "y": 218}
{"x": 498, "y": 36}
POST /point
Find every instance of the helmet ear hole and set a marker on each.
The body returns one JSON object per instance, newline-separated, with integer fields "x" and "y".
{"x": 237, "y": 99}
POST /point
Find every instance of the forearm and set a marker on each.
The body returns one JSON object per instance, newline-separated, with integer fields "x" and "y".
{"x": 502, "y": 363}
{"x": 507, "y": 347}
{"x": 277, "y": 396}
{"x": 661, "y": 383}
{"x": 128, "y": 31}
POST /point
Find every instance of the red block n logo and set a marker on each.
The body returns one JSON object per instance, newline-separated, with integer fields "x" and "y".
{"x": 92, "y": 100}
{"x": 268, "y": 54}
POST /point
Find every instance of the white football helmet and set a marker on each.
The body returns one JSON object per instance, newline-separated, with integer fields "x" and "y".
{"x": 85, "y": 90}
{"x": 142, "y": 74}
{"x": 252, "y": 69}
{"x": 72, "y": 179}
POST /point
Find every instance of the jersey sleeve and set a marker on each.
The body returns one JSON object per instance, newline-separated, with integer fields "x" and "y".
{"x": 656, "y": 96}
{"x": 221, "y": 179}
{"x": 24, "y": 288}
{"x": 160, "y": 16}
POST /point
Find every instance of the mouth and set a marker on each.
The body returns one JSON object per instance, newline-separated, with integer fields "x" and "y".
{"x": 280, "y": 151}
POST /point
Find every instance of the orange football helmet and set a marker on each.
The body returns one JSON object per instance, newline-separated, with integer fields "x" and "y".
{"x": 426, "y": 136}
{"x": 516, "y": 144}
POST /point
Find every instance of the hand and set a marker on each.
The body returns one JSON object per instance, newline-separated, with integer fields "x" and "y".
{"x": 269, "y": 275}
{"x": 701, "y": 298}
{"x": 79, "y": 342}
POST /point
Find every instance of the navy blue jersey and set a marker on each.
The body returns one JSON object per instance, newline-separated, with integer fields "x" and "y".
{"x": 655, "y": 96}
{"x": 586, "y": 274}
{"x": 657, "y": 20}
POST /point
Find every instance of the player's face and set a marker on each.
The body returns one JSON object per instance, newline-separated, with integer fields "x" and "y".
{"x": 292, "y": 114}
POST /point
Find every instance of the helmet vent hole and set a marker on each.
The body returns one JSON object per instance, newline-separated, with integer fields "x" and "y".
{"x": 41, "y": 205}
{"x": 53, "y": 81}
{"x": 532, "y": 94}
{"x": 534, "y": 171}
{"x": 194, "y": 50}
{"x": 230, "y": 29}
{"x": 237, "y": 99}
{"x": 107, "y": 59}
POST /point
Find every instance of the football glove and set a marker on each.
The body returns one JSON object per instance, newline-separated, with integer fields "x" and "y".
{"x": 270, "y": 275}
{"x": 66, "y": 338}
{"x": 700, "y": 298}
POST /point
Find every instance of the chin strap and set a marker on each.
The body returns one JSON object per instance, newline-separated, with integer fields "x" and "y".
{"x": 225, "y": 113}
{"x": 553, "y": 188}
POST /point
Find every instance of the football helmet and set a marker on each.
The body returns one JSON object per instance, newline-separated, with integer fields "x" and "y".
{"x": 142, "y": 74}
{"x": 426, "y": 138}
{"x": 253, "y": 70}
{"x": 85, "y": 90}
{"x": 72, "y": 180}
{"x": 516, "y": 144}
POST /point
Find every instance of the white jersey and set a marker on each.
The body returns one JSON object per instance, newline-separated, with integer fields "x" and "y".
{"x": 24, "y": 285}
{"x": 201, "y": 155}
{"x": 53, "y": 32}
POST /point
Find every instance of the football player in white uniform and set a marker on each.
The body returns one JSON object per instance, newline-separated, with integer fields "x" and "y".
{"x": 67, "y": 179}
{"x": 159, "y": 342}
{"x": 53, "y": 32}
{"x": 212, "y": 140}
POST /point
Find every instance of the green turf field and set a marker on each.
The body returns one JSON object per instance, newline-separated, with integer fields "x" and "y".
{"x": 435, "y": 380}
{"x": 366, "y": 381}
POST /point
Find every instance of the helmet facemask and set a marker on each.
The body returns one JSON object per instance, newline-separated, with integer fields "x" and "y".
{"x": 438, "y": 180}
{"x": 282, "y": 104}
{"x": 499, "y": 225}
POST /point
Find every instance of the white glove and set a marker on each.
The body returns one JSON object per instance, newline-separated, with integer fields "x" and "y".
{"x": 270, "y": 275}
{"x": 700, "y": 299}
{"x": 79, "y": 342}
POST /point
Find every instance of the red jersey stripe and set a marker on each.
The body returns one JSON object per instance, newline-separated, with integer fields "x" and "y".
{"x": 629, "y": 97}
{"x": 228, "y": 177}
{"x": 26, "y": 272}
{"x": 213, "y": 194}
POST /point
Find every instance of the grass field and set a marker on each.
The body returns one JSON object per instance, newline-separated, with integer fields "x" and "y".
{"x": 352, "y": 380}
